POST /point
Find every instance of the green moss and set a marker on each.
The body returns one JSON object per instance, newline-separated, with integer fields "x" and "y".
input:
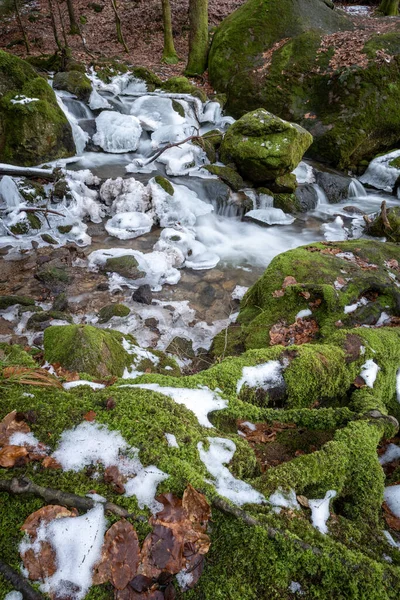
{"x": 74, "y": 82}
{"x": 108, "y": 68}
{"x": 32, "y": 191}
{"x": 34, "y": 132}
{"x": 289, "y": 203}
{"x": 165, "y": 184}
{"x": 264, "y": 147}
{"x": 84, "y": 348}
{"x": 182, "y": 85}
{"x": 48, "y": 239}
{"x": 34, "y": 221}
{"x": 146, "y": 75}
{"x": 53, "y": 276}
{"x": 36, "y": 320}
{"x": 378, "y": 228}
{"x": 64, "y": 228}
{"x": 126, "y": 265}
{"x": 228, "y": 176}
{"x": 6, "y": 301}
{"x": 113, "y": 310}
{"x": 45, "y": 62}
{"x": 14, "y": 355}
{"x": 177, "y": 106}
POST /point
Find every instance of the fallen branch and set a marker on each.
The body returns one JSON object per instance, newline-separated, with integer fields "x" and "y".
{"x": 29, "y": 173}
{"x": 43, "y": 210}
{"x": 384, "y": 216}
{"x": 144, "y": 163}
{"x": 26, "y": 486}
{"x": 19, "y": 582}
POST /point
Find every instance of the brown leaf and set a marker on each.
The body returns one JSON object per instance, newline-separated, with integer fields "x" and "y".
{"x": 167, "y": 549}
{"x": 278, "y": 293}
{"x": 114, "y": 477}
{"x": 10, "y": 425}
{"x": 197, "y": 508}
{"x": 392, "y": 521}
{"x": 303, "y": 501}
{"x": 11, "y": 456}
{"x": 172, "y": 511}
{"x": 359, "y": 382}
{"x": 302, "y": 331}
{"x": 42, "y": 564}
{"x": 129, "y": 594}
{"x": 141, "y": 583}
{"x": 120, "y": 555}
{"x": 45, "y": 515}
{"x": 90, "y": 416}
{"x": 51, "y": 463}
{"x": 289, "y": 280}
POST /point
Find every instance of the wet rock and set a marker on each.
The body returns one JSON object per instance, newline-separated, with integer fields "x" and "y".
{"x": 206, "y": 293}
{"x": 38, "y": 340}
{"x": 285, "y": 184}
{"x": 48, "y": 239}
{"x": 386, "y": 226}
{"x": 113, "y": 310}
{"x": 102, "y": 287}
{"x": 41, "y": 320}
{"x": 6, "y": 301}
{"x": 307, "y": 197}
{"x": 228, "y": 176}
{"x": 353, "y": 210}
{"x": 74, "y": 82}
{"x": 335, "y": 185}
{"x": 54, "y": 278}
{"x": 143, "y": 295}
{"x": 60, "y": 302}
{"x": 152, "y": 324}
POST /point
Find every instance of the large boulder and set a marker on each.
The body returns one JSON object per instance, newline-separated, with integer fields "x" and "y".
{"x": 281, "y": 55}
{"x": 74, "y": 82}
{"x": 33, "y": 129}
{"x": 263, "y": 146}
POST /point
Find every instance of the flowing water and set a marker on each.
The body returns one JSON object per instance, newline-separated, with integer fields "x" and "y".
{"x": 204, "y": 248}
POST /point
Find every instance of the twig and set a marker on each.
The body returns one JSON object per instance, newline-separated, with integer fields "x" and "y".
{"x": 177, "y": 144}
{"x": 26, "y": 486}
{"x": 44, "y": 210}
{"x": 19, "y": 582}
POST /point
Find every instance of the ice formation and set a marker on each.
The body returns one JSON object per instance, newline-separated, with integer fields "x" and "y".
{"x": 270, "y": 216}
{"x": 129, "y": 225}
{"x": 117, "y": 132}
{"x": 380, "y": 174}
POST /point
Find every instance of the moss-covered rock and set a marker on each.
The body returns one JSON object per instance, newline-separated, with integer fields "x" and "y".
{"x": 279, "y": 55}
{"x": 148, "y": 76}
{"x": 41, "y": 320}
{"x": 48, "y": 239}
{"x": 263, "y": 146}
{"x": 228, "y": 176}
{"x": 388, "y": 227}
{"x": 284, "y": 184}
{"x": 32, "y": 191}
{"x": 86, "y": 349}
{"x": 33, "y": 131}
{"x": 53, "y": 277}
{"x": 126, "y": 265}
{"x": 113, "y": 310}
{"x": 13, "y": 355}
{"x": 165, "y": 184}
{"x": 74, "y": 82}
{"x": 7, "y": 301}
{"x": 182, "y": 85}
{"x": 289, "y": 203}
{"x": 339, "y": 284}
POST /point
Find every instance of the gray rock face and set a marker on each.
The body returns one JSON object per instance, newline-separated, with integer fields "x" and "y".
{"x": 306, "y": 194}
{"x": 335, "y": 185}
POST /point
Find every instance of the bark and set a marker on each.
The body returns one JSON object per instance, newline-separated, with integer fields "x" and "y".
{"x": 53, "y": 25}
{"x": 62, "y": 24}
{"x": 73, "y": 24}
{"x": 389, "y": 7}
{"x": 120, "y": 36}
{"x": 26, "y": 486}
{"x": 19, "y": 582}
{"x": 169, "y": 54}
{"x": 18, "y": 14}
{"x": 29, "y": 173}
{"x": 198, "y": 37}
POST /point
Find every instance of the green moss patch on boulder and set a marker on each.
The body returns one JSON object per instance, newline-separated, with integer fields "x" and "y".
{"x": 228, "y": 176}
{"x": 7, "y": 301}
{"x": 388, "y": 227}
{"x": 86, "y": 349}
{"x": 113, "y": 310}
{"x": 32, "y": 132}
{"x": 126, "y": 265}
{"x": 263, "y": 146}
{"x": 74, "y": 82}
{"x": 165, "y": 184}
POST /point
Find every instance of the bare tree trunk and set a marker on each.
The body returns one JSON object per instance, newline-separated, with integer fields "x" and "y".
{"x": 169, "y": 54}
{"x": 389, "y": 8}
{"x": 73, "y": 24}
{"x": 53, "y": 25}
{"x": 198, "y": 37}
{"x": 62, "y": 24}
{"x": 120, "y": 37}
{"x": 26, "y": 41}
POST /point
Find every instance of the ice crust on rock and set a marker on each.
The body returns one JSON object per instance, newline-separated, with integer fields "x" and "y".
{"x": 184, "y": 207}
{"x": 129, "y": 225}
{"x": 97, "y": 102}
{"x": 302, "y": 314}
{"x": 265, "y": 376}
{"x": 14, "y": 595}
{"x": 116, "y": 132}
{"x": 239, "y": 292}
{"x": 181, "y": 242}
{"x": 155, "y": 112}
{"x": 380, "y": 174}
{"x": 220, "y": 453}
{"x": 270, "y": 216}
{"x": 125, "y": 195}
{"x": 369, "y": 372}
{"x": 320, "y": 511}
{"x": 9, "y": 193}
{"x": 200, "y": 401}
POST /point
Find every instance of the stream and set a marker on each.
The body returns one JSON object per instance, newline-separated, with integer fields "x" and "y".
{"x": 199, "y": 252}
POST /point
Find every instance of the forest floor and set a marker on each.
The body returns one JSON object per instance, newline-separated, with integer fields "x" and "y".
{"x": 141, "y": 26}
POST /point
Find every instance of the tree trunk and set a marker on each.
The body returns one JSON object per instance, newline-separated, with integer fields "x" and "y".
{"x": 389, "y": 8}
{"x": 73, "y": 24}
{"x": 62, "y": 25}
{"x": 198, "y": 37}
{"x": 26, "y": 41}
{"x": 120, "y": 37}
{"x": 54, "y": 26}
{"x": 169, "y": 54}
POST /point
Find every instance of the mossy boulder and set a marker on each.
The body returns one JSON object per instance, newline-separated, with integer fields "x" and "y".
{"x": 31, "y": 131}
{"x": 126, "y": 265}
{"x": 32, "y": 191}
{"x": 338, "y": 284}
{"x": 263, "y": 146}
{"x": 165, "y": 184}
{"x": 148, "y": 76}
{"x": 86, "y": 349}
{"x": 182, "y": 85}
{"x": 53, "y": 277}
{"x": 42, "y": 319}
{"x": 228, "y": 176}
{"x": 74, "y": 82}
{"x": 386, "y": 228}
{"x": 7, "y": 301}
{"x": 281, "y": 55}
{"x": 113, "y": 310}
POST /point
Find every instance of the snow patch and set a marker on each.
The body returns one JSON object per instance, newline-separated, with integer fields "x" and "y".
{"x": 320, "y": 511}
{"x": 369, "y": 372}
{"x": 265, "y": 376}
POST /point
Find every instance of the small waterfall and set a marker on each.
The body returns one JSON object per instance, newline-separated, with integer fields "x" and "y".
{"x": 356, "y": 189}
{"x": 322, "y": 197}
{"x": 78, "y": 109}
{"x": 80, "y": 136}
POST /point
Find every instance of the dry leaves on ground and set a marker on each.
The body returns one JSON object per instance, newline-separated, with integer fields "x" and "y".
{"x": 302, "y": 331}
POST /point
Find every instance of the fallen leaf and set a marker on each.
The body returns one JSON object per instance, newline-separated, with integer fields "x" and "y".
{"x": 141, "y": 583}
{"x": 51, "y": 463}
{"x": 196, "y": 506}
{"x": 12, "y": 456}
{"x": 41, "y": 564}
{"x": 359, "y": 382}
{"x": 120, "y": 556}
{"x": 10, "y": 425}
{"x": 45, "y": 515}
{"x": 302, "y": 331}
{"x": 289, "y": 280}
{"x": 90, "y": 416}
{"x": 115, "y": 478}
{"x": 303, "y": 501}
